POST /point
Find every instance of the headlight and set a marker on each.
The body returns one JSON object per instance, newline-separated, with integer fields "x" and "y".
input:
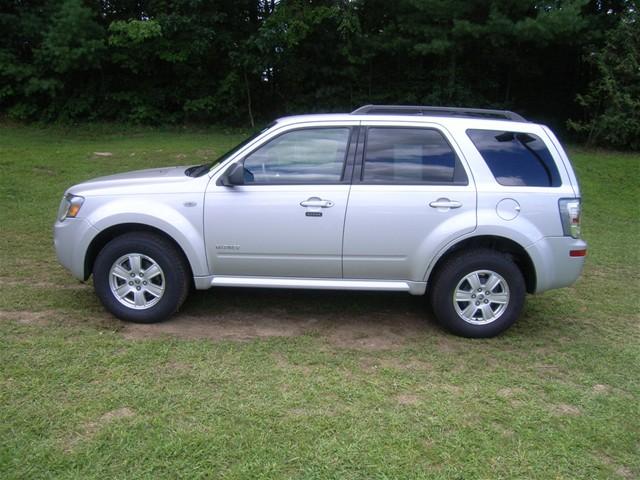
{"x": 70, "y": 206}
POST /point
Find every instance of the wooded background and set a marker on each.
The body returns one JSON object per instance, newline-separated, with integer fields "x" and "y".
{"x": 573, "y": 64}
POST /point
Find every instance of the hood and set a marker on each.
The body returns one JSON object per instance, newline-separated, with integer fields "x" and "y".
{"x": 153, "y": 180}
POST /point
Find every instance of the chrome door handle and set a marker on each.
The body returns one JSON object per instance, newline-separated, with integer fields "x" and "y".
{"x": 445, "y": 203}
{"x": 316, "y": 202}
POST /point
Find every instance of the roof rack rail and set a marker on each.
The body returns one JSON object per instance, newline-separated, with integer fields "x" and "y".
{"x": 438, "y": 111}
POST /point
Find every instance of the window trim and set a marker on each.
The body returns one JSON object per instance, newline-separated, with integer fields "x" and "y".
{"x": 349, "y": 156}
{"x": 360, "y": 163}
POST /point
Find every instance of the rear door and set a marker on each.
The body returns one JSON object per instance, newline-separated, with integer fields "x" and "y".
{"x": 411, "y": 193}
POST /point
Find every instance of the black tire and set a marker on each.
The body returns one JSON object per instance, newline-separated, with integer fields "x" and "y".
{"x": 175, "y": 280}
{"x": 452, "y": 274}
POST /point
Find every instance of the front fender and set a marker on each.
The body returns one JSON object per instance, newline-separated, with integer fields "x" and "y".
{"x": 175, "y": 214}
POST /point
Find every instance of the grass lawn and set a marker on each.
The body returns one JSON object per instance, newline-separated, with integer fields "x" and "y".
{"x": 281, "y": 384}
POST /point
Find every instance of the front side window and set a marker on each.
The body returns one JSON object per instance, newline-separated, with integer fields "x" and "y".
{"x": 516, "y": 159}
{"x": 314, "y": 155}
{"x": 410, "y": 156}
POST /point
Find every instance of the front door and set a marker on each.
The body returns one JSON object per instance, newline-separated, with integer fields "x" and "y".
{"x": 287, "y": 219}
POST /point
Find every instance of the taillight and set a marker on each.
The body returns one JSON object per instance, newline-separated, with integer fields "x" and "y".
{"x": 570, "y": 216}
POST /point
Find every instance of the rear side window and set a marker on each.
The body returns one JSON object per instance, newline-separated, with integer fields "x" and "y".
{"x": 410, "y": 156}
{"x": 516, "y": 159}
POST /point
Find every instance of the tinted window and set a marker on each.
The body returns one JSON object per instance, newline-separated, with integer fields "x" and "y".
{"x": 301, "y": 156}
{"x": 514, "y": 158}
{"x": 410, "y": 155}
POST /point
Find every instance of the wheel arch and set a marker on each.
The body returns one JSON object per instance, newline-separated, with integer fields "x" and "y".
{"x": 493, "y": 242}
{"x": 108, "y": 234}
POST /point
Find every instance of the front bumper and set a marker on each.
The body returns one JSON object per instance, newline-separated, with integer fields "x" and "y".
{"x": 555, "y": 268}
{"x": 71, "y": 239}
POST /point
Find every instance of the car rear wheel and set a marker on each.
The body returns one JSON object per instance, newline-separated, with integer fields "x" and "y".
{"x": 478, "y": 294}
{"x": 141, "y": 277}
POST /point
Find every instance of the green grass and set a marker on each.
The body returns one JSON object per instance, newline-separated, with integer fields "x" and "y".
{"x": 279, "y": 384}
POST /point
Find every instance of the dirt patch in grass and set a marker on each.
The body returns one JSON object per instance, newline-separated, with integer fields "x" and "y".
{"x": 374, "y": 363}
{"x": 90, "y": 429}
{"x": 447, "y": 345}
{"x": 349, "y": 320}
{"x": 417, "y": 365}
{"x": 346, "y": 320}
{"x": 565, "y": 409}
{"x": 599, "y": 388}
{"x": 114, "y": 415}
{"x": 407, "y": 399}
{"x": 52, "y": 318}
{"x": 625, "y": 472}
{"x": 342, "y": 332}
{"x": 620, "y": 470}
{"x": 331, "y": 411}
{"x": 6, "y": 283}
{"x": 175, "y": 366}
{"x": 390, "y": 332}
{"x": 454, "y": 390}
{"x": 29, "y": 318}
{"x": 218, "y": 327}
{"x": 283, "y": 363}
{"x": 502, "y": 430}
{"x": 508, "y": 392}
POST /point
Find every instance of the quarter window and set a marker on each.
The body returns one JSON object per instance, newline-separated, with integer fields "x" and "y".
{"x": 516, "y": 159}
{"x": 302, "y": 156}
{"x": 410, "y": 156}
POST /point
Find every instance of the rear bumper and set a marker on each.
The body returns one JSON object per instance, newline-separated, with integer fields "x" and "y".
{"x": 555, "y": 267}
{"x": 71, "y": 240}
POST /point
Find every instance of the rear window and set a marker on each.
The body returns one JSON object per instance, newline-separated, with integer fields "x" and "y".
{"x": 516, "y": 159}
{"x": 410, "y": 156}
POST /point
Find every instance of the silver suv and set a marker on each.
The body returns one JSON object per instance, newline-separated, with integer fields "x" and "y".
{"x": 475, "y": 207}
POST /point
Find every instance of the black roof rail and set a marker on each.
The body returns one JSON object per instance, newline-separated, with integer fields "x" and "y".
{"x": 438, "y": 112}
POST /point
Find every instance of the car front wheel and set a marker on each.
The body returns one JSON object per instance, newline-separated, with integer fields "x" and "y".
{"x": 478, "y": 294}
{"x": 141, "y": 277}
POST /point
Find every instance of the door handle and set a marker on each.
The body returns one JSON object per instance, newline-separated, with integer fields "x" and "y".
{"x": 316, "y": 202}
{"x": 445, "y": 203}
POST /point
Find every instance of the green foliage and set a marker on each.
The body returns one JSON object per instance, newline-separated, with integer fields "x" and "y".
{"x": 133, "y": 32}
{"x": 50, "y": 60}
{"x": 74, "y": 41}
{"x": 158, "y": 61}
{"x": 612, "y": 101}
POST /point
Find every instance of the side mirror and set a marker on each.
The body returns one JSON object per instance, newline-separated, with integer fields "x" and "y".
{"x": 234, "y": 175}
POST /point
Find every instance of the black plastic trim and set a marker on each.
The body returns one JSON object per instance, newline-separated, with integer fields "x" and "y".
{"x": 347, "y": 169}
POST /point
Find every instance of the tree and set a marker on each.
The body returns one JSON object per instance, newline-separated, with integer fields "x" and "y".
{"x": 247, "y": 61}
{"x": 612, "y": 101}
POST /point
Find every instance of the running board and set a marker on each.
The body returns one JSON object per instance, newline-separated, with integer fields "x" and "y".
{"x": 415, "y": 288}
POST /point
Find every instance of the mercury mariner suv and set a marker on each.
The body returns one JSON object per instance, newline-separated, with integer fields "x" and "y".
{"x": 474, "y": 207}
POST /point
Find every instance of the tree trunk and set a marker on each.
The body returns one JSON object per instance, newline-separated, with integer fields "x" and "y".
{"x": 453, "y": 67}
{"x": 248, "y": 89}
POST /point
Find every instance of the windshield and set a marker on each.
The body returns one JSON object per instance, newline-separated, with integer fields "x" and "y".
{"x": 199, "y": 170}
